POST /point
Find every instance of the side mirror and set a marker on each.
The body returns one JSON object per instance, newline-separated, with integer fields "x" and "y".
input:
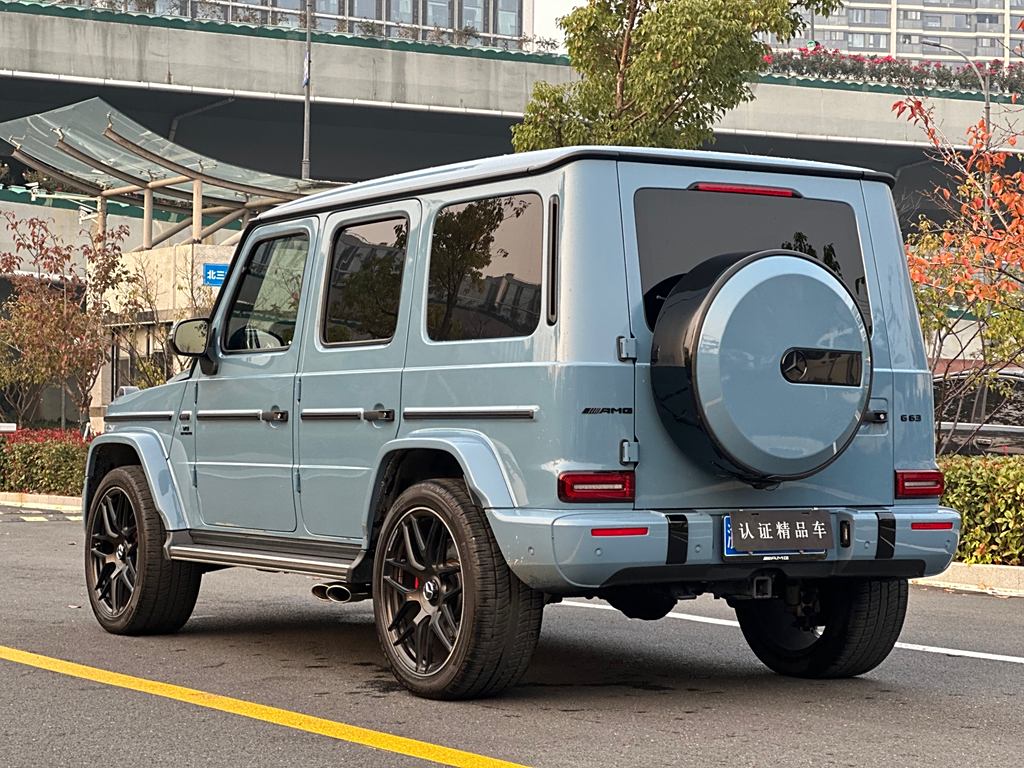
{"x": 189, "y": 337}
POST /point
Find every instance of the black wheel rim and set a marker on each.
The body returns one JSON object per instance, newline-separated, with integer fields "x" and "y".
{"x": 421, "y": 591}
{"x": 113, "y": 552}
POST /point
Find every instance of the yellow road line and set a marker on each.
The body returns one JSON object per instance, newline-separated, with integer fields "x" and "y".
{"x": 283, "y": 717}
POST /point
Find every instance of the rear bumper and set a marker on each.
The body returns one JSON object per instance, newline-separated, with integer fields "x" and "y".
{"x": 556, "y": 551}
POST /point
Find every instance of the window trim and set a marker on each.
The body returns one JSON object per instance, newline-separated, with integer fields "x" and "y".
{"x": 310, "y": 234}
{"x": 430, "y": 258}
{"x": 326, "y": 285}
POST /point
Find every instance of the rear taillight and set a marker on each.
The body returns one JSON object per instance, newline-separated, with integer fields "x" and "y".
{"x": 929, "y": 525}
{"x": 596, "y": 486}
{"x": 638, "y": 531}
{"x": 913, "y": 484}
{"x": 744, "y": 189}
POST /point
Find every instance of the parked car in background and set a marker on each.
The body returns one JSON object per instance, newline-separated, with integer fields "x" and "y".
{"x": 977, "y": 415}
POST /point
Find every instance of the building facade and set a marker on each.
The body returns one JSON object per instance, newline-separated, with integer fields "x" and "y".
{"x": 980, "y": 29}
{"x": 493, "y": 23}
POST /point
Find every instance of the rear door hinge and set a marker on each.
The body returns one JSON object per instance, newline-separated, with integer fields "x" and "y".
{"x": 629, "y": 452}
{"x": 298, "y": 482}
{"x": 626, "y": 346}
{"x": 195, "y": 477}
{"x": 298, "y": 390}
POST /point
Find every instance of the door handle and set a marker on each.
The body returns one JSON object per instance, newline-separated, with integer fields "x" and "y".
{"x": 274, "y": 416}
{"x": 384, "y": 414}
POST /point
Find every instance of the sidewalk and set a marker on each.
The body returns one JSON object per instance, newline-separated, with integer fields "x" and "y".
{"x": 1003, "y": 580}
{"x": 72, "y": 504}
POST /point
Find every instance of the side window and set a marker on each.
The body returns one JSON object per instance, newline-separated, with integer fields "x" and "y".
{"x": 365, "y": 282}
{"x": 266, "y": 304}
{"x": 486, "y": 259}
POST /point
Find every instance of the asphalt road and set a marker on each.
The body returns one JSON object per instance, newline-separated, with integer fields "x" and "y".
{"x": 602, "y": 690}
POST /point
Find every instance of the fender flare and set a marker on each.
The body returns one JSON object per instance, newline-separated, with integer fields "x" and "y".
{"x": 153, "y": 459}
{"x": 486, "y": 474}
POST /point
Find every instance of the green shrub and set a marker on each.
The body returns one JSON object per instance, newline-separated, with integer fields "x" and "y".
{"x": 43, "y": 461}
{"x": 988, "y": 491}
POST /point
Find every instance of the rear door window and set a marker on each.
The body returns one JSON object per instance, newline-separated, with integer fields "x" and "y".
{"x": 677, "y": 229}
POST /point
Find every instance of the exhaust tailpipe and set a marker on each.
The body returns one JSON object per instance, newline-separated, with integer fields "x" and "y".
{"x": 336, "y": 592}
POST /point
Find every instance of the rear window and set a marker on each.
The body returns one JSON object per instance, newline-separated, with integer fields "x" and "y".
{"x": 677, "y": 229}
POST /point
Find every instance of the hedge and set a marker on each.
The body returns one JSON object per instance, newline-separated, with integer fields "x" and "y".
{"x": 43, "y": 461}
{"x": 988, "y": 491}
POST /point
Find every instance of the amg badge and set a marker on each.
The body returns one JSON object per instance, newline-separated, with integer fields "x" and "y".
{"x": 597, "y": 411}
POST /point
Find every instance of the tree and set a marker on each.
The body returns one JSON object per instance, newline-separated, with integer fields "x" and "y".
{"x": 967, "y": 268}
{"x": 53, "y": 326}
{"x": 140, "y": 318}
{"x": 656, "y": 73}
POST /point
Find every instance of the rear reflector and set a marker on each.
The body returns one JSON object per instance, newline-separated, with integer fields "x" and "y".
{"x": 919, "y": 483}
{"x": 596, "y": 486}
{"x": 744, "y": 189}
{"x": 931, "y": 526}
{"x": 618, "y": 531}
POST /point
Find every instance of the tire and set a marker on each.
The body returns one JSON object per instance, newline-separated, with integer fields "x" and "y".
{"x": 858, "y": 625}
{"x": 435, "y": 535}
{"x": 125, "y": 535}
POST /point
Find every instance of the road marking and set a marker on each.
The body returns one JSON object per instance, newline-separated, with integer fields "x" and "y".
{"x": 74, "y": 518}
{"x": 33, "y": 518}
{"x": 296, "y": 720}
{"x": 902, "y": 646}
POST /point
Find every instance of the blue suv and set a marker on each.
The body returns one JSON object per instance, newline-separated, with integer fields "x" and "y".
{"x": 464, "y": 393}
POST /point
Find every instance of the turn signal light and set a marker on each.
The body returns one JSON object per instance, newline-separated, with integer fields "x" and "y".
{"x": 918, "y": 483}
{"x": 744, "y": 189}
{"x": 596, "y": 486}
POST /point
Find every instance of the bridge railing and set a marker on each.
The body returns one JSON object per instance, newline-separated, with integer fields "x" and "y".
{"x": 328, "y": 16}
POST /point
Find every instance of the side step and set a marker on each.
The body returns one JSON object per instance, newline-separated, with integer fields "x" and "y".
{"x": 315, "y": 558}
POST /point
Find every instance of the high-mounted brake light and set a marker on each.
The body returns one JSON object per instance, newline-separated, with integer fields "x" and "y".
{"x": 919, "y": 483}
{"x": 596, "y": 486}
{"x": 928, "y": 525}
{"x": 744, "y": 189}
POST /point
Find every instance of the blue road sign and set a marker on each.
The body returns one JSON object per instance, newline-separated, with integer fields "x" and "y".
{"x": 214, "y": 274}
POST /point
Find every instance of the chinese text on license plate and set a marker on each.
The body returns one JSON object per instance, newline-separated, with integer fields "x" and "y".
{"x": 778, "y": 534}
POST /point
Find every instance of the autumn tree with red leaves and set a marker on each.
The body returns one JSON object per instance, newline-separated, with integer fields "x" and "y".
{"x": 967, "y": 268}
{"x": 53, "y": 326}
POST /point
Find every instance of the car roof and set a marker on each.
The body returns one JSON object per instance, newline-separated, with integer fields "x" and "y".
{"x": 532, "y": 163}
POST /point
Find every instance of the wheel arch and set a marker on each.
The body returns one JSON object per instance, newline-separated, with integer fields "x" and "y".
{"x": 437, "y": 453}
{"x": 110, "y": 451}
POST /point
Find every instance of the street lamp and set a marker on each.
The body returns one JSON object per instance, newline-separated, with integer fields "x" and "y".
{"x": 307, "y": 84}
{"x": 987, "y": 93}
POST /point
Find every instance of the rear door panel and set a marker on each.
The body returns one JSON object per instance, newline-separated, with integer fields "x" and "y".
{"x": 666, "y": 477}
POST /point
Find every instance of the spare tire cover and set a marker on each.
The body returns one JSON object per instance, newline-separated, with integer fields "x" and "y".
{"x": 761, "y": 365}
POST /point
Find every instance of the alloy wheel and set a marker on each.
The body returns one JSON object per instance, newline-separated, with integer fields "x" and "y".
{"x": 421, "y": 591}
{"x": 113, "y": 549}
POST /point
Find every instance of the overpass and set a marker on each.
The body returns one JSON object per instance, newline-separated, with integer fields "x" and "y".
{"x": 234, "y": 92}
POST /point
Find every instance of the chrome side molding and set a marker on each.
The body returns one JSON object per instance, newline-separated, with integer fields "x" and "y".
{"x": 505, "y": 413}
{"x": 140, "y": 416}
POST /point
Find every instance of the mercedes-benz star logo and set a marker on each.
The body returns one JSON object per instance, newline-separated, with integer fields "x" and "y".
{"x": 430, "y": 590}
{"x": 794, "y": 365}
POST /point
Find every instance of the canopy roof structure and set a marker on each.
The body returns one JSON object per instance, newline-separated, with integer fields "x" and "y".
{"x": 91, "y": 147}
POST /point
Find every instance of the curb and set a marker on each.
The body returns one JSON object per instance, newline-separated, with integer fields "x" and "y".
{"x": 41, "y": 501}
{"x": 1002, "y": 580}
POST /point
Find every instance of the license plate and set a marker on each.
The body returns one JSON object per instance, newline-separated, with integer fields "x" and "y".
{"x": 778, "y": 534}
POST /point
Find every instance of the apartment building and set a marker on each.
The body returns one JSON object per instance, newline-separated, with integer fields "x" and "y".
{"x": 980, "y": 29}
